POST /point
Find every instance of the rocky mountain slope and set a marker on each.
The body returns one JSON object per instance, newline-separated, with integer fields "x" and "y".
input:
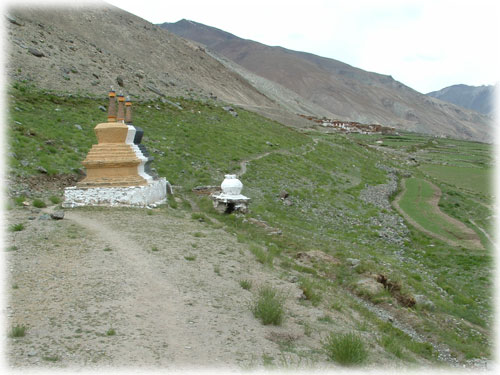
{"x": 88, "y": 49}
{"x": 477, "y": 98}
{"x": 344, "y": 91}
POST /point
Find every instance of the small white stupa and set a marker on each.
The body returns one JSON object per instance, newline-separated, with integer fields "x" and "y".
{"x": 231, "y": 198}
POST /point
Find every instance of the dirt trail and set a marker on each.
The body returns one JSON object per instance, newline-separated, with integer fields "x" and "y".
{"x": 168, "y": 286}
{"x": 243, "y": 163}
{"x": 470, "y": 238}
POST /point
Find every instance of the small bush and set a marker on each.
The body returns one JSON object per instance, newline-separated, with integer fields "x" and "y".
{"x": 52, "y": 358}
{"x": 110, "y": 332}
{"x": 246, "y": 284}
{"x": 107, "y": 248}
{"x": 391, "y": 345}
{"x": 18, "y": 331}
{"x": 261, "y": 255}
{"x": 269, "y": 307}
{"x": 154, "y": 248}
{"x": 336, "y": 305}
{"x": 55, "y": 200}
{"x": 172, "y": 203}
{"x": 38, "y": 203}
{"x": 346, "y": 349}
{"x": 309, "y": 289}
{"x": 19, "y": 200}
{"x": 190, "y": 257}
{"x": 16, "y": 227}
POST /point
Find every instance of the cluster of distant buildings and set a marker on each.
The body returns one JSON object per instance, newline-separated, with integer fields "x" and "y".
{"x": 351, "y": 126}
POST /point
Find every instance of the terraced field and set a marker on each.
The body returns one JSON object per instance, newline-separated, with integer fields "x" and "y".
{"x": 419, "y": 201}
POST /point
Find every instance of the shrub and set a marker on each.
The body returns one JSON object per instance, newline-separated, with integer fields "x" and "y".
{"x": 16, "y": 227}
{"x": 391, "y": 345}
{"x": 346, "y": 349}
{"x": 261, "y": 255}
{"x": 269, "y": 306}
{"x": 18, "y": 331}
{"x": 110, "y": 332}
{"x": 308, "y": 288}
{"x": 38, "y": 203}
{"x": 171, "y": 201}
{"x": 19, "y": 200}
{"x": 55, "y": 200}
{"x": 246, "y": 284}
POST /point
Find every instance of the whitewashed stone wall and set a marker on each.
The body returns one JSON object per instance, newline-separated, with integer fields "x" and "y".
{"x": 140, "y": 196}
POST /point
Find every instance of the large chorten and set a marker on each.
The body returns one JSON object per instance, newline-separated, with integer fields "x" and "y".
{"x": 118, "y": 165}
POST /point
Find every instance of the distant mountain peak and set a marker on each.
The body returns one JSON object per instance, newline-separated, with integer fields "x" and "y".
{"x": 340, "y": 90}
{"x": 477, "y": 98}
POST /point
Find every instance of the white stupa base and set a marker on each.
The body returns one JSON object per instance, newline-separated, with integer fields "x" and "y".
{"x": 227, "y": 203}
{"x": 154, "y": 193}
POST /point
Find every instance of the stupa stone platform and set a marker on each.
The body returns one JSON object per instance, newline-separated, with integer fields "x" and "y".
{"x": 153, "y": 193}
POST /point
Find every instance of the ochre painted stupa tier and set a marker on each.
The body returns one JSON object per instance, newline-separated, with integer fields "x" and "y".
{"x": 115, "y": 161}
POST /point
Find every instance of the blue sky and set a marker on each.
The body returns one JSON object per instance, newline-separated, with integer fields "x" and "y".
{"x": 425, "y": 44}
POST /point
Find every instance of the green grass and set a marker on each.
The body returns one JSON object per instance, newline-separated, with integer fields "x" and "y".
{"x": 310, "y": 290}
{"x": 475, "y": 179}
{"x": 38, "y": 203}
{"x": 324, "y": 182}
{"x": 16, "y": 227}
{"x": 246, "y": 284}
{"x": 269, "y": 306}
{"x": 51, "y": 358}
{"x": 154, "y": 248}
{"x": 19, "y": 200}
{"x": 190, "y": 257}
{"x": 415, "y": 202}
{"x": 262, "y": 255}
{"x": 110, "y": 332}
{"x": 18, "y": 331}
{"x": 346, "y": 349}
{"x": 217, "y": 270}
{"x": 55, "y": 200}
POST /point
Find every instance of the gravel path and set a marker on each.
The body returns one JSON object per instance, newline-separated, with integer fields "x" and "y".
{"x": 169, "y": 289}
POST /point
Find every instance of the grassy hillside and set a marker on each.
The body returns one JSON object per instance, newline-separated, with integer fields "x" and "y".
{"x": 327, "y": 177}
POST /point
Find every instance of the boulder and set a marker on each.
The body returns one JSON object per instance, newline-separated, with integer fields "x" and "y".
{"x": 36, "y": 52}
{"x": 424, "y": 302}
{"x": 57, "y": 215}
{"x": 370, "y": 286}
{"x": 353, "y": 262}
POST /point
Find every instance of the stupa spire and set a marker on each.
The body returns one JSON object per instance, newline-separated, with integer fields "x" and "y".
{"x": 112, "y": 106}
{"x": 128, "y": 111}
{"x": 120, "y": 116}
